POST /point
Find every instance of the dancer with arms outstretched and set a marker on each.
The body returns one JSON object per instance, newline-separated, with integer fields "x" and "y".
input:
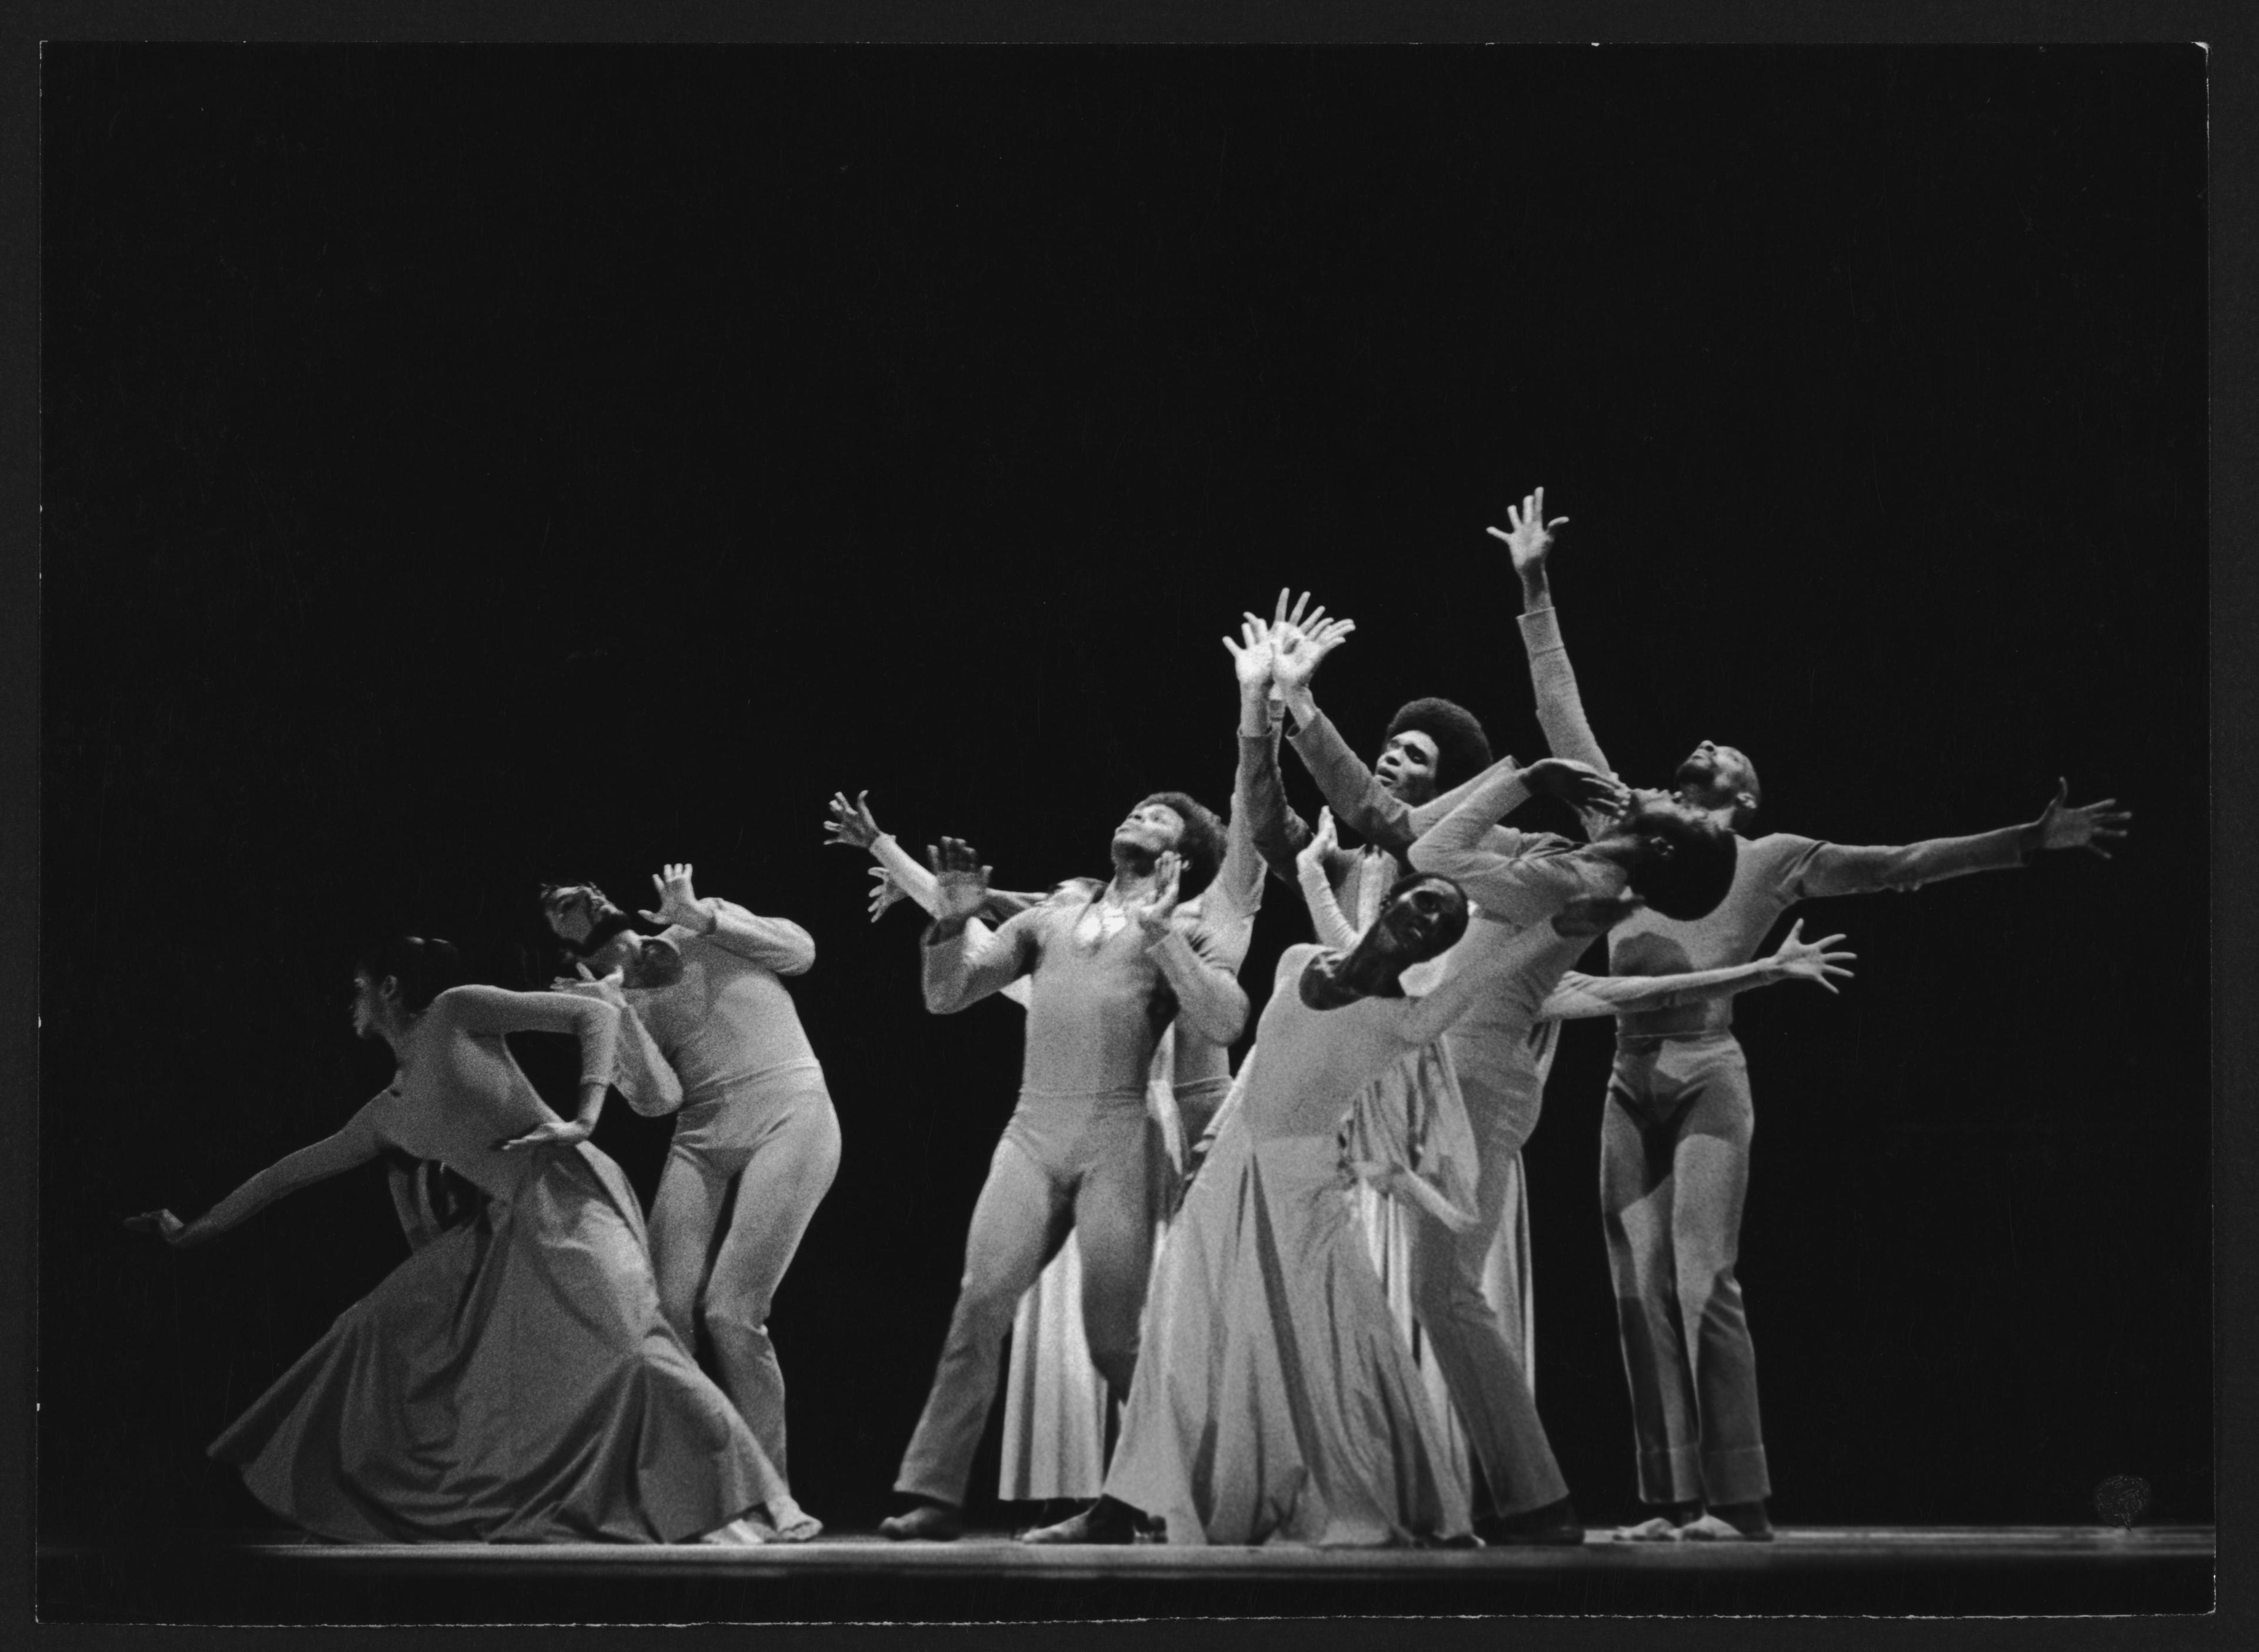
{"x": 1678, "y": 1121}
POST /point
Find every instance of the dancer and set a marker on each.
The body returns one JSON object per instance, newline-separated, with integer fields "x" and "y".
{"x": 1112, "y": 967}
{"x": 1057, "y": 1405}
{"x": 1468, "y": 1291}
{"x": 513, "y": 1381}
{"x": 1675, "y": 1143}
{"x": 755, "y": 1141}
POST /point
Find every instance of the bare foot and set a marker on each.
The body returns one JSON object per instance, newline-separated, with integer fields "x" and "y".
{"x": 738, "y": 1533}
{"x": 1104, "y": 1522}
{"x": 927, "y": 1523}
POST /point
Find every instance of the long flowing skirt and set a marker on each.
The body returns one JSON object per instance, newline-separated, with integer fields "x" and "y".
{"x": 1275, "y": 1401}
{"x": 511, "y": 1382}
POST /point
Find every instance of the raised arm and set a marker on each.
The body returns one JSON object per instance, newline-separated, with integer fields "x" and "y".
{"x": 1560, "y": 708}
{"x": 1839, "y": 869}
{"x": 1797, "y": 959}
{"x": 774, "y": 943}
{"x": 1234, "y": 894}
{"x": 1332, "y": 926}
{"x": 355, "y": 1144}
{"x": 1350, "y": 789}
{"x": 1275, "y": 831}
{"x": 1209, "y": 996}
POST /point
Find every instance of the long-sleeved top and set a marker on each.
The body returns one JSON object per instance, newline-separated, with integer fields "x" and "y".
{"x": 729, "y": 1019}
{"x": 1770, "y": 874}
{"x": 1096, "y": 1008}
{"x": 459, "y": 1093}
{"x": 1356, "y": 795}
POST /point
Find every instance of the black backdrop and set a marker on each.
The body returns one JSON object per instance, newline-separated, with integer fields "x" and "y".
{"x": 470, "y": 465}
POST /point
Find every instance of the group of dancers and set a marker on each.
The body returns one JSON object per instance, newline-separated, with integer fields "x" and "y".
{"x": 1296, "y": 1300}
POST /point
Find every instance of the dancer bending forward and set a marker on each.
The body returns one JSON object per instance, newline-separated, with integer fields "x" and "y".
{"x": 513, "y": 1381}
{"x": 755, "y": 1142}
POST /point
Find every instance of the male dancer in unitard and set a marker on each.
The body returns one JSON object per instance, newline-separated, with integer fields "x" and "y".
{"x": 755, "y": 1141}
{"x": 1675, "y": 1140}
{"x": 1056, "y": 1404}
{"x": 1501, "y": 1056}
{"x": 1112, "y": 966}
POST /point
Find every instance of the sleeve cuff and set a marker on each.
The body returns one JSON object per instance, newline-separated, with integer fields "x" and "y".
{"x": 1541, "y": 629}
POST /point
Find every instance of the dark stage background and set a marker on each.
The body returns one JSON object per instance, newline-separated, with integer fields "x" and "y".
{"x": 468, "y": 466}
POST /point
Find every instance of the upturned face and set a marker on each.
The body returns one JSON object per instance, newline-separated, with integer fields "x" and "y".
{"x": 574, "y": 910}
{"x": 1407, "y": 767}
{"x": 1150, "y": 830}
{"x": 1713, "y": 776}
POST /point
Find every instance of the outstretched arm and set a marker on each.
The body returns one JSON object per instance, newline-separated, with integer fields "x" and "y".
{"x": 355, "y": 1144}
{"x": 852, "y": 826}
{"x": 1838, "y": 869}
{"x": 1797, "y": 959}
{"x": 1511, "y": 875}
{"x": 961, "y": 970}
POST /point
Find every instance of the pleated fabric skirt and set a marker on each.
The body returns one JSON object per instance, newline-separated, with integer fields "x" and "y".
{"x": 1275, "y": 1399}
{"x": 512, "y": 1381}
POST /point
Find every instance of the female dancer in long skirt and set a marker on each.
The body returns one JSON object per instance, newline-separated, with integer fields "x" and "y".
{"x": 513, "y": 1381}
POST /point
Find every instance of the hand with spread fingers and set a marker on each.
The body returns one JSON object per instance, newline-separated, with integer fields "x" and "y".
{"x": 1527, "y": 535}
{"x": 886, "y": 890}
{"x": 1812, "y": 961}
{"x": 1153, "y": 914}
{"x": 2088, "y": 826}
{"x": 852, "y": 825}
{"x": 677, "y": 902}
{"x": 961, "y": 882}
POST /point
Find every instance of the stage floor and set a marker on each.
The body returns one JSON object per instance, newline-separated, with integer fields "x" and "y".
{"x": 1949, "y": 1570}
